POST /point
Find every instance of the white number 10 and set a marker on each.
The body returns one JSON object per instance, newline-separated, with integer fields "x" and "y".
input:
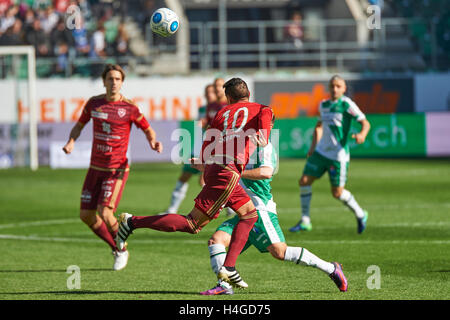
{"x": 236, "y": 114}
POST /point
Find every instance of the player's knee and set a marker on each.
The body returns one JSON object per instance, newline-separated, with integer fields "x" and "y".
{"x": 304, "y": 181}
{"x": 88, "y": 217}
{"x": 336, "y": 193}
{"x": 277, "y": 251}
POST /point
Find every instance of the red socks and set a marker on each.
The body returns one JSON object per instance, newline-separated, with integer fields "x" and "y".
{"x": 166, "y": 222}
{"x": 103, "y": 233}
{"x": 238, "y": 239}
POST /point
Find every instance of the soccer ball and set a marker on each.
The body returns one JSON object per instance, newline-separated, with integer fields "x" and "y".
{"x": 164, "y": 22}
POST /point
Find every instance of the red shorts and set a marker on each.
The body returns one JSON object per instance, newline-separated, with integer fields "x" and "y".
{"x": 103, "y": 187}
{"x": 221, "y": 190}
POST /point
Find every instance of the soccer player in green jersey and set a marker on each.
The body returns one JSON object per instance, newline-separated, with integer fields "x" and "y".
{"x": 266, "y": 234}
{"x": 329, "y": 152}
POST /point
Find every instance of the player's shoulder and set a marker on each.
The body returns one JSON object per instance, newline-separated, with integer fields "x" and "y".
{"x": 98, "y": 97}
{"x": 347, "y": 101}
{"x": 129, "y": 102}
{"x": 95, "y": 101}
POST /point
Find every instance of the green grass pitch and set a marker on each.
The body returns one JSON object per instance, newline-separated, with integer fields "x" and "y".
{"x": 407, "y": 238}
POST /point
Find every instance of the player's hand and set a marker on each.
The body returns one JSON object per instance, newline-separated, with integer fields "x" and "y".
{"x": 68, "y": 148}
{"x": 310, "y": 152}
{"x": 360, "y": 138}
{"x": 196, "y": 164}
{"x": 258, "y": 139}
{"x": 157, "y": 146}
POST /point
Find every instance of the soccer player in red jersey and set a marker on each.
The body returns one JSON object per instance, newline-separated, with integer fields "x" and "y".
{"x": 112, "y": 117}
{"x": 233, "y": 135}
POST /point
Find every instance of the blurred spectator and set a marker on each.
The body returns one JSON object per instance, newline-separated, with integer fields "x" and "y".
{"x": 121, "y": 44}
{"x": 12, "y": 36}
{"x": 294, "y": 30}
{"x": 80, "y": 36}
{"x": 49, "y": 19}
{"x": 60, "y": 34}
{"x": 9, "y": 18}
{"x": 39, "y": 39}
{"x": 98, "y": 46}
{"x": 62, "y": 58}
{"x": 61, "y": 6}
{"x": 4, "y": 5}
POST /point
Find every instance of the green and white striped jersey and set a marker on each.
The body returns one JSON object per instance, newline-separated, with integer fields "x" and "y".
{"x": 260, "y": 191}
{"x": 336, "y": 118}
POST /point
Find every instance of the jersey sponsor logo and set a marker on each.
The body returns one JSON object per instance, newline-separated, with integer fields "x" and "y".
{"x": 103, "y": 148}
{"x": 331, "y": 116}
{"x": 106, "y": 127}
{"x": 105, "y": 137}
{"x": 99, "y": 115}
{"x": 122, "y": 112}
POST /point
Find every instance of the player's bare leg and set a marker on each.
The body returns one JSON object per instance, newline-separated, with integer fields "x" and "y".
{"x": 100, "y": 228}
{"x": 348, "y": 199}
{"x": 305, "y": 184}
{"x": 107, "y": 215}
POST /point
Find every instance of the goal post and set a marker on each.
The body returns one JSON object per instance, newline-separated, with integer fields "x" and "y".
{"x": 29, "y": 52}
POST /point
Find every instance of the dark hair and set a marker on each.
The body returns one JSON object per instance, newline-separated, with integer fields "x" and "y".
{"x": 110, "y": 67}
{"x": 236, "y": 89}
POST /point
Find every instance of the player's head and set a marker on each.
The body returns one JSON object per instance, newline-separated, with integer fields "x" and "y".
{"x": 210, "y": 94}
{"x": 337, "y": 87}
{"x": 113, "y": 77}
{"x": 218, "y": 86}
{"x": 236, "y": 89}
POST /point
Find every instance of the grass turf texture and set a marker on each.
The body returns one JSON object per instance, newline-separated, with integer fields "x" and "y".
{"x": 408, "y": 237}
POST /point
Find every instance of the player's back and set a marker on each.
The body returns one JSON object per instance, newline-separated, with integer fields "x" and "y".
{"x": 231, "y": 129}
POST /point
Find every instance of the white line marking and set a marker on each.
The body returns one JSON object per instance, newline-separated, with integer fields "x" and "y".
{"x": 38, "y": 223}
{"x": 370, "y": 207}
{"x": 157, "y": 241}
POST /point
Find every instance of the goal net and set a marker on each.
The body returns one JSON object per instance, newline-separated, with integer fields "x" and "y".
{"x": 18, "y": 129}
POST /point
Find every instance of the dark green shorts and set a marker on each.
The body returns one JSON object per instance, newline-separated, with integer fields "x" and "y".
{"x": 317, "y": 165}
{"x": 265, "y": 232}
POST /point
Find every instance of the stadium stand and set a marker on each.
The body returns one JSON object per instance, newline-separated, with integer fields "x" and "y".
{"x": 415, "y": 36}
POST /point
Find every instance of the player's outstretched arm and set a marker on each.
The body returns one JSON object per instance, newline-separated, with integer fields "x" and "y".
{"x": 260, "y": 173}
{"x": 361, "y": 136}
{"x": 151, "y": 137}
{"x": 74, "y": 134}
{"x": 317, "y": 135}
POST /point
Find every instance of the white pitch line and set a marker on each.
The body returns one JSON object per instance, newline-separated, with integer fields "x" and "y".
{"x": 391, "y": 206}
{"x": 184, "y": 241}
{"x": 38, "y": 223}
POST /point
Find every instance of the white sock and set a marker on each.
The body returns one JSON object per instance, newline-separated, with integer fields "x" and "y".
{"x": 349, "y": 200}
{"x": 306, "y": 258}
{"x": 305, "y": 202}
{"x": 217, "y": 254}
{"x": 178, "y": 195}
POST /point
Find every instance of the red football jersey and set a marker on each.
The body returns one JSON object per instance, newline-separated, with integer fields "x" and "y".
{"x": 229, "y": 137}
{"x": 212, "y": 109}
{"x": 112, "y": 126}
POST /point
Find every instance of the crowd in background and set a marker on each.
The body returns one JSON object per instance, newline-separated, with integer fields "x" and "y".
{"x": 63, "y": 29}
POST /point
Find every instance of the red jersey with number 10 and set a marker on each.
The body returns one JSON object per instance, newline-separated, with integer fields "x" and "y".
{"x": 229, "y": 137}
{"x": 112, "y": 126}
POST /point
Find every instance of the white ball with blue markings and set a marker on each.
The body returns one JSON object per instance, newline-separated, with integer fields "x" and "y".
{"x": 164, "y": 22}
